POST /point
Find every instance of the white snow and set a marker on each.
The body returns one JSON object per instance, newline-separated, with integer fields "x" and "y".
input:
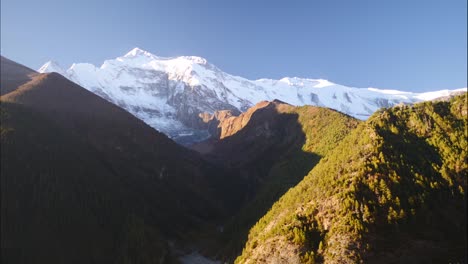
{"x": 433, "y": 95}
{"x": 145, "y": 85}
{"x": 52, "y": 66}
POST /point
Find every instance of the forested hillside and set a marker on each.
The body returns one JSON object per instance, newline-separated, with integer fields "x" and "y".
{"x": 83, "y": 181}
{"x": 391, "y": 191}
{"x": 273, "y": 145}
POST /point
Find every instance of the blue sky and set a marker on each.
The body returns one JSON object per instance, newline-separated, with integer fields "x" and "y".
{"x": 399, "y": 44}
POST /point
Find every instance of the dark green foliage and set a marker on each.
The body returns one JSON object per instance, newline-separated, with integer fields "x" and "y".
{"x": 61, "y": 204}
{"x": 393, "y": 190}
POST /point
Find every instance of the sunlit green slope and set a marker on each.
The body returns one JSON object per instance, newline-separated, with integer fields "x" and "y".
{"x": 392, "y": 191}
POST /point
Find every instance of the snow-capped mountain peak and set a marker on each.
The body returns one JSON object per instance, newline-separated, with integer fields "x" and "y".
{"x": 170, "y": 93}
{"x": 135, "y": 52}
{"x": 51, "y": 66}
{"x": 139, "y": 54}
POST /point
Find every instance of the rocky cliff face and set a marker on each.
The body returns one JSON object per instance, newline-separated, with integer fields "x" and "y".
{"x": 225, "y": 123}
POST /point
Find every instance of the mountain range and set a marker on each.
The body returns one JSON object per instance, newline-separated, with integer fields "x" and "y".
{"x": 171, "y": 94}
{"x": 86, "y": 179}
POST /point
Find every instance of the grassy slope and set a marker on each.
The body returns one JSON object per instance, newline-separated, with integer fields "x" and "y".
{"x": 392, "y": 191}
{"x": 13, "y": 75}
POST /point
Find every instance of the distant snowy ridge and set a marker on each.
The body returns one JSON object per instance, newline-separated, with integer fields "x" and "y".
{"x": 170, "y": 93}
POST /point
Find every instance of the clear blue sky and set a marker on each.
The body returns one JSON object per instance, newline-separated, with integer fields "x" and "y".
{"x": 400, "y": 44}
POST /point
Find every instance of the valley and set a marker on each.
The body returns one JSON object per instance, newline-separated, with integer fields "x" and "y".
{"x": 233, "y": 132}
{"x": 91, "y": 171}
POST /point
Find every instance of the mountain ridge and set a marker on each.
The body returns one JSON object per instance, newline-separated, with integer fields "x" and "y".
{"x": 273, "y": 145}
{"x": 170, "y": 93}
{"x": 392, "y": 191}
{"x": 84, "y": 181}
{"x": 13, "y": 75}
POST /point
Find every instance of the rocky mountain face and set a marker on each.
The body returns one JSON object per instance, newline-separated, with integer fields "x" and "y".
{"x": 173, "y": 95}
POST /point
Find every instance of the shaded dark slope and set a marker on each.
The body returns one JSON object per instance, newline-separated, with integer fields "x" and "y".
{"x": 61, "y": 204}
{"x": 13, "y": 75}
{"x": 83, "y": 181}
{"x": 393, "y": 191}
{"x": 124, "y": 142}
{"x": 273, "y": 145}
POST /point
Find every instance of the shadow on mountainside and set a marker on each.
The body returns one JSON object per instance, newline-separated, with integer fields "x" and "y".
{"x": 393, "y": 191}
{"x": 266, "y": 151}
{"x": 83, "y": 181}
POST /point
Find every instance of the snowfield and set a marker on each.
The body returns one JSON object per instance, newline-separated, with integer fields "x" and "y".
{"x": 169, "y": 93}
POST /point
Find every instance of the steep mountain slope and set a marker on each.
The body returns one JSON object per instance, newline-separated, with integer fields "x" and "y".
{"x": 83, "y": 181}
{"x": 393, "y": 191}
{"x": 273, "y": 145}
{"x": 13, "y": 75}
{"x": 169, "y": 94}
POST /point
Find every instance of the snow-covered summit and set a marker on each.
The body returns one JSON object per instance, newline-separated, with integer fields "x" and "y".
{"x": 145, "y": 58}
{"x": 169, "y": 93}
{"x": 51, "y": 66}
{"x": 137, "y": 52}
